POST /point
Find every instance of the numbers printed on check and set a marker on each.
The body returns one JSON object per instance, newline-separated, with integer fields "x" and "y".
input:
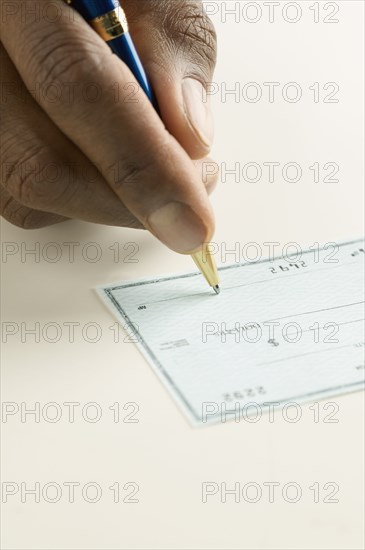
{"x": 288, "y": 330}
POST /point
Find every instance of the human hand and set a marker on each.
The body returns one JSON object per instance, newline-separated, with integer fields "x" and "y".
{"x": 74, "y": 148}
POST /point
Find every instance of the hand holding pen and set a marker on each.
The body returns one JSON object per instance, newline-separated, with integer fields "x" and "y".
{"x": 145, "y": 174}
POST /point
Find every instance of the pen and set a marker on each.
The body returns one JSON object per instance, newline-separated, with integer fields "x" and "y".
{"x": 107, "y": 18}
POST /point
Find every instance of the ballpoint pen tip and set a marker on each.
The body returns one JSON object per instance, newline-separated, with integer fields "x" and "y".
{"x": 216, "y": 289}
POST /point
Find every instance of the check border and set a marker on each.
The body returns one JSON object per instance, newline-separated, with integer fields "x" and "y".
{"x": 108, "y": 294}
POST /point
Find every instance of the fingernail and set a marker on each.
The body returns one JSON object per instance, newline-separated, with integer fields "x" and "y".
{"x": 178, "y": 227}
{"x": 198, "y": 110}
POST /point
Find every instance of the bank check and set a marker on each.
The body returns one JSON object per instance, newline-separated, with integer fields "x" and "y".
{"x": 283, "y": 330}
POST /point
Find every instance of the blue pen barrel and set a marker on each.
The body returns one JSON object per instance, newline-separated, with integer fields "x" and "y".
{"x": 121, "y": 45}
{"x": 124, "y": 48}
{"x": 90, "y": 9}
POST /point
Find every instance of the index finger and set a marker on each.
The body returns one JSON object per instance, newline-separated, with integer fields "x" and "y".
{"x": 92, "y": 96}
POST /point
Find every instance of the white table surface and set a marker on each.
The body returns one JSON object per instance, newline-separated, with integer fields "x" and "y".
{"x": 161, "y": 453}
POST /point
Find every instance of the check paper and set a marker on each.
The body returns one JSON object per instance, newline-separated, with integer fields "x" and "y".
{"x": 285, "y": 330}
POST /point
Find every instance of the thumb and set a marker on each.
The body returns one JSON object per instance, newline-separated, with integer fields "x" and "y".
{"x": 177, "y": 44}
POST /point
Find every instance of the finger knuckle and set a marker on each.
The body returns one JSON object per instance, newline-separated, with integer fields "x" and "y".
{"x": 20, "y": 215}
{"x": 192, "y": 32}
{"x": 182, "y": 26}
{"x": 35, "y": 180}
{"x": 62, "y": 59}
{"x": 126, "y": 175}
{"x": 138, "y": 179}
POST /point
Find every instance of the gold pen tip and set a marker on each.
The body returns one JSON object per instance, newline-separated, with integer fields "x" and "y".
{"x": 216, "y": 289}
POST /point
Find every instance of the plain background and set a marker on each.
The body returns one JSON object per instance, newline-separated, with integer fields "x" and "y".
{"x": 161, "y": 453}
